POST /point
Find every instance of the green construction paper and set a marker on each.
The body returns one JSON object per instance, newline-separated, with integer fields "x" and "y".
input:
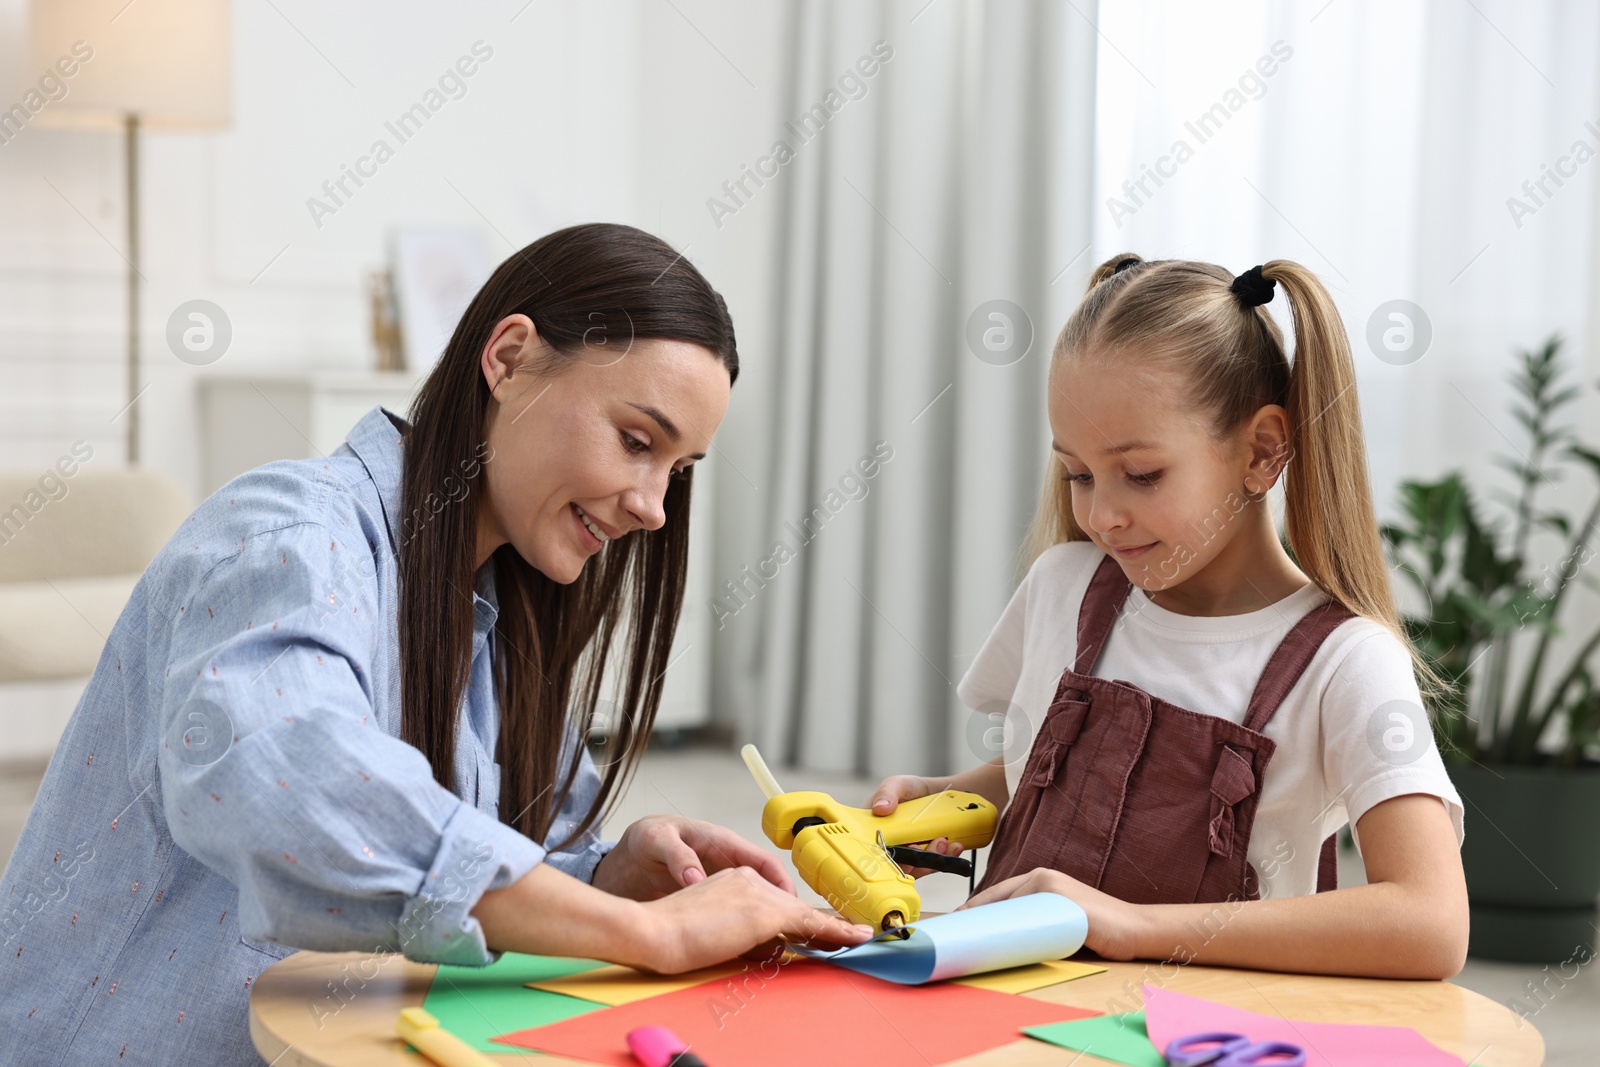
{"x": 1111, "y": 1037}
{"x": 476, "y": 1003}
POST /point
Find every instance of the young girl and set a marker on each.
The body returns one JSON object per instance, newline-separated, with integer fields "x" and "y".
{"x": 1193, "y": 711}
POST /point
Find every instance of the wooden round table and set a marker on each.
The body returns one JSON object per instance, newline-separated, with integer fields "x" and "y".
{"x": 338, "y": 1009}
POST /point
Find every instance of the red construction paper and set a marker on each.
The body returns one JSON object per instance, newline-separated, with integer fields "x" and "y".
{"x": 805, "y": 1013}
{"x": 1169, "y": 1015}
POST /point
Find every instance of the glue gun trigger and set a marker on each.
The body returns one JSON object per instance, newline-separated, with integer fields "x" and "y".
{"x": 906, "y": 856}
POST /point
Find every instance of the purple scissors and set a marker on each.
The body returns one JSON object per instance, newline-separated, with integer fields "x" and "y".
{"x": 1232, "y": 1050}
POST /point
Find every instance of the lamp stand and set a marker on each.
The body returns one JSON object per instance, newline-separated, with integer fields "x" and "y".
{"x": 131, "y": 166}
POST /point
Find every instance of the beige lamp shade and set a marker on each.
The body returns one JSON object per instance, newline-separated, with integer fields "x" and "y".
{"x": 169, "y": 62}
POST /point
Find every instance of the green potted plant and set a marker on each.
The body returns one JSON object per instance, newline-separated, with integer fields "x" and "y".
{"x": 1517, "y": 730}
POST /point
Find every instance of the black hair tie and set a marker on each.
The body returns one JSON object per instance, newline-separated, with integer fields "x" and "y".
{"x": 1124, "y": 264}
{"x": 1252, "y": 289}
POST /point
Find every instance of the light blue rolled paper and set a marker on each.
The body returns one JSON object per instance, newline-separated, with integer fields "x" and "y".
{"x": 990, "y": 937}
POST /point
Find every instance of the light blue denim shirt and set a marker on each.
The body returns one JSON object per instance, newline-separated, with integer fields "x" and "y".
{"x": 232, "y": 785}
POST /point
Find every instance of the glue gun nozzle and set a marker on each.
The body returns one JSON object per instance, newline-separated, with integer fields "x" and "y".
{"x": 895, "y": 923}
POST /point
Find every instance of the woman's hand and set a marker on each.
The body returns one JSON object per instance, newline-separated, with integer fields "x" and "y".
{"x": 728, "y": 914}
{"x": 1115, "y": 926}
{"x": 891, "y": 791}
{"x": 661, "y": 854}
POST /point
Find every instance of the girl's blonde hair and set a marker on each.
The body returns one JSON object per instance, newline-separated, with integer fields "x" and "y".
{"x": 1183, "y": 316}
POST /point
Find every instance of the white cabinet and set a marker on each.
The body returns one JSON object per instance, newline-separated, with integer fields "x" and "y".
{"x": 245, "y": 422}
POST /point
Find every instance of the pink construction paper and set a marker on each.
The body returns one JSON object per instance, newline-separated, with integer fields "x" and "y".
{"x": 1169, "y": 1015}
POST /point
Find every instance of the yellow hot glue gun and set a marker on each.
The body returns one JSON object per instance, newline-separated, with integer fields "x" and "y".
{"x": 852, "y": 857}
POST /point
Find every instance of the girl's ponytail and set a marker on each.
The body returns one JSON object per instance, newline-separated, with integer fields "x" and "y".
{"x": 1332, "y": 528}
{"x": 1328, "y": 513}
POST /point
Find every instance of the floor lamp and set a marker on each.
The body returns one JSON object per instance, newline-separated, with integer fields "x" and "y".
{"x": 151, "y": 65}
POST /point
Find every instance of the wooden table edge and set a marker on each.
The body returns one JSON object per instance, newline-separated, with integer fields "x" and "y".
{"x": 315, "y": 1009}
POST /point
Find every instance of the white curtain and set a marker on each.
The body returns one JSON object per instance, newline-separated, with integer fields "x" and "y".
{"x": 1385, "y": 153}
{"x": 902, "y": 467}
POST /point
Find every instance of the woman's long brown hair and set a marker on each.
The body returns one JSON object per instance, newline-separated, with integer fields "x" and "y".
{"x": 596, "y": 286}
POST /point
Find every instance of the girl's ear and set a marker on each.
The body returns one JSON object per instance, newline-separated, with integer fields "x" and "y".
{"x": 1267, "y": 435}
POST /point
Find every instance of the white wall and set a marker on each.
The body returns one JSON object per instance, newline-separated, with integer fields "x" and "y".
{"x": 546, "y": 134}
{"x": 632, "y": 112}
{"x": 1382, "y": 155}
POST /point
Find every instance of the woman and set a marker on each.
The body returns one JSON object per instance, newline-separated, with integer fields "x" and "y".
{"x": 345, "y": 706}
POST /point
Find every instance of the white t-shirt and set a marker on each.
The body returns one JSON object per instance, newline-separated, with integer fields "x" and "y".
{"x": 1349, "y": 735}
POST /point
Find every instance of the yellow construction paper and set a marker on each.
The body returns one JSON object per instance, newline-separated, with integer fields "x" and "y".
{"x": 1024, "y": 979}
{"x": 615, "y": 985}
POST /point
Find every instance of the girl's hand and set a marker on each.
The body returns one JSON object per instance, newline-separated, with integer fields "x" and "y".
{"x": 889, "y": 794}
{"x": 1115, "y": 925}
{"x": 661, "y": 854}
{"x": 728, "y": 914}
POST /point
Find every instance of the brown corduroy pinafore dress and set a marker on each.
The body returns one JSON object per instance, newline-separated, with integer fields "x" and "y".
{"x": 1142, "y": 799}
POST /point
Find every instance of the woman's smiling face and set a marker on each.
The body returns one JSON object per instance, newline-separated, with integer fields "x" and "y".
{"x": 1151, "y": 483}
{"x": 584, "y": 455}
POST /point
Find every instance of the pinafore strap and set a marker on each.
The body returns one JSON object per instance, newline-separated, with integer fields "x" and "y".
{"x": 1102, "y": 602}
{"x": 1109, "y": 589}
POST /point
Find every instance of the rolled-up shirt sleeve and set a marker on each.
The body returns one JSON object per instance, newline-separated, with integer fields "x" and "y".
{"x": 275, "y": 772}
